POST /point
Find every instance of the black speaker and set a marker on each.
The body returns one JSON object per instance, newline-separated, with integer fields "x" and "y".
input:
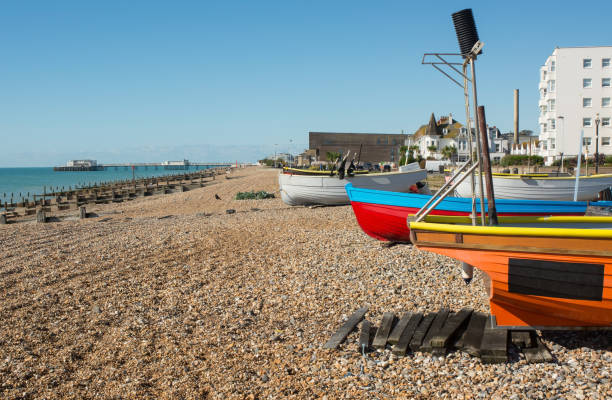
{"x": 465, "y": 27}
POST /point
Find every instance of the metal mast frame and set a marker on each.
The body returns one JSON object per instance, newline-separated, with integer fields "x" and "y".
{"x": 439, "y": 61}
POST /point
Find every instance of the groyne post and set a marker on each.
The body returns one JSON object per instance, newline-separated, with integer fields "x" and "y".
{"x": 41, "y": 217}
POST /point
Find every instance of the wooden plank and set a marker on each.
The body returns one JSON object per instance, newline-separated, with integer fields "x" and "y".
{"x": 494, "y": 346}
{"x": 522, "y": 339}
{"x": 380, "y": 340}
{"x": 421, "y": 331}
{"x": 364, "y": 337}
{"x": 539, "y": 353}
{"x": 404, "y": 341}
{"x": 434, "y": 330}
{"x": 471, "y": 339}
{"x": 450, "y": 328}
{"x": 345, "y": 329}
{"x": 399, "y": 328}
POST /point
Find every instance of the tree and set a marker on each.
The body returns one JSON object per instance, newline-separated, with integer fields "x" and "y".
{"x": 332, "y": 156}
{"x": 403, "y": 150}
{"x": 448, "y": 152}
{"x": 432, "y": 148}
{"x": 526, "y": 132}
{"x": 411, "y": 154}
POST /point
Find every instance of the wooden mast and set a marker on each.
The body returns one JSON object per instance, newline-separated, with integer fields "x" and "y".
{"x": 486, "y": 164}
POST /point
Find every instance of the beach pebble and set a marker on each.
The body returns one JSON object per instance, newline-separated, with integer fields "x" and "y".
{"x": 240, "y": 307}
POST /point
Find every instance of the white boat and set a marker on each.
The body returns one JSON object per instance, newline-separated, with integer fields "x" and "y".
{"x": 329, "y": 190}
{"x": 541, "y": 187}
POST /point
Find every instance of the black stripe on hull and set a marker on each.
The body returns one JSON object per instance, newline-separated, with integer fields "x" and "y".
{"x": 562, "y": 280}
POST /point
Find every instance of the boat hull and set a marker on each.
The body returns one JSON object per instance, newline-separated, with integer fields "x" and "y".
{"x": 540, "y": 282}
{"x": 542, "y": 188}
{"x": 383, "y": 214}
{"x": 329, "y": 190}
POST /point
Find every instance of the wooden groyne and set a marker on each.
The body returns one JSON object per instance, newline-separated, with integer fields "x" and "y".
{"x": 42, "y": 205}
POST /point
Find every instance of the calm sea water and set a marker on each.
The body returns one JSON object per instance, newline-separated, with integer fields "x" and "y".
{"x": 21, "y": 181}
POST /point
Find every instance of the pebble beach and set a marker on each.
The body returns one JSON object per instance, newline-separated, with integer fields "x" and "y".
{"x": 171, "y": 297}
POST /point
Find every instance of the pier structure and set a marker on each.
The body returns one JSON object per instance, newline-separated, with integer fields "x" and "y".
{"x": 181, "y": 165}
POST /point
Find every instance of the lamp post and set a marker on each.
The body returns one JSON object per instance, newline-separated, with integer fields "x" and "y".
{"x": 275, "y": 144}
{"x": 596, "y": 143}
{"x": 562, "y": 120}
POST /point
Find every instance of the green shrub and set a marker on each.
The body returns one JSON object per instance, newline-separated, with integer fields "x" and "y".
{"x": 267, "y": 162}
{"x": 252, "y": 195}
{"x": 513, "y": 159}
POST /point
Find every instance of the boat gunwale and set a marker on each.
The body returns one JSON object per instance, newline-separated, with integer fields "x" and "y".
{"x": 531, "y": 176}
{"x": 375, "y": 174}
{"x": 515, "y": 249}
{"x": 517, "y": 231}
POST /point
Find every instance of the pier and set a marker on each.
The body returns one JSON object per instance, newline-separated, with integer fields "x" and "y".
{"x": 166, "y": 165}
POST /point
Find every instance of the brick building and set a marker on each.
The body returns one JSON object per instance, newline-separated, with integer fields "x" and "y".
{"x": 375, "y": 147}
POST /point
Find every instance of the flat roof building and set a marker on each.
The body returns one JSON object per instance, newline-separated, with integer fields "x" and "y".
{"x": 375, "y": 147}
{"x": 575, "y": 95}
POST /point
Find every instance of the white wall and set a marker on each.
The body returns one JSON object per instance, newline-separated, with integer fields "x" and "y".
{"x": 569, "y": 94}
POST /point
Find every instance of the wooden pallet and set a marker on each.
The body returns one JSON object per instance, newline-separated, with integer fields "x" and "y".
{"x": 441, "y": 332}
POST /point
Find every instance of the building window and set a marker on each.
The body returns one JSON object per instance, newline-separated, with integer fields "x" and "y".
{"x": 551, "y": 124}
{"x": 586, "y": 121}
{"x": 497, "y": 147}
{"x": 587, "y": 83}
{"x": 586, "y": 141}
{"x": 586, "y": 63}
{"x": 605, "y": 63}
{"x": 605, "y": 82}
{"x": 552, "y": 66}
{"x": 586, "y": 102}
{"x": 543, "y": 127}
{"x": 605, "y": 121}
{"x": 552, "y": 144}
{"x": 551, "y": 86}
{"x": 605, "y": 141}
{"x": 551, "y": 105}
{"x": 543, "y": 109}
{"x": 605, "y": 102}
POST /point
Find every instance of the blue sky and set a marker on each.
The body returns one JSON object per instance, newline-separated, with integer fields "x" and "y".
{"x": 226, "y": 80}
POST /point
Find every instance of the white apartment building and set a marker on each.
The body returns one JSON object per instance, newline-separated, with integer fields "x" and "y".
{"x": 575, "y": 94}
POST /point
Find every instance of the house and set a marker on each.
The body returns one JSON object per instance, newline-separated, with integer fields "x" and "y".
{"x": 432, "y": 138}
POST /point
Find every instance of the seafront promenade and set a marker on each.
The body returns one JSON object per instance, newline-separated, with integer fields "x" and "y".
{"x": 170, "y": 296}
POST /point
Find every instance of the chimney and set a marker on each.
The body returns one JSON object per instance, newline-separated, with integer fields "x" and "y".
{"x": 516, "y": 115}
{"x": 450, "y": 118}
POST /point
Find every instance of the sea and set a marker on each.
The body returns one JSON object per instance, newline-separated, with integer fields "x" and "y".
{"x": 26, "y": 182}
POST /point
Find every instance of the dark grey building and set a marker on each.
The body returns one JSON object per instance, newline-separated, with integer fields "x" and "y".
{"x": 375, "y": 147}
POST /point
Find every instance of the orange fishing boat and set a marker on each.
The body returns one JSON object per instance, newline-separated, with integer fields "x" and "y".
{"x": 545, "y": 272}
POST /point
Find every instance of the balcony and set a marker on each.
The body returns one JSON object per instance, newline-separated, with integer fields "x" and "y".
{"x": 542, "y": 85}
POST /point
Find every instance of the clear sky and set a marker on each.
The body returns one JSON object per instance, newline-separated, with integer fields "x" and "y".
{"x": 218, "y": 81}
